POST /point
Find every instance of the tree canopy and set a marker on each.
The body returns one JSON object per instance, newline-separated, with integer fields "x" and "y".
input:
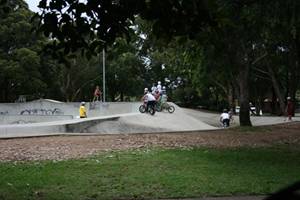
{"x": 213, "y": 53}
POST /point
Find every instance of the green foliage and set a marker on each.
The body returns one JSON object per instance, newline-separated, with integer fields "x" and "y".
{"x": 124, "y": 70}
{"x": 19, "y": 60}
{"x": 186, "y": 97}
{"x": 93, "y": 24}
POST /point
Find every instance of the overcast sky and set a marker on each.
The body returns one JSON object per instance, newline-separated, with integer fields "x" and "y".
{"x": 33, "y": 5}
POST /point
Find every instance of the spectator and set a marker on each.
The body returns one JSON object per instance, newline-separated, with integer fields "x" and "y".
{"x": 97, "y": 94}
{"x": 289, "y": 109}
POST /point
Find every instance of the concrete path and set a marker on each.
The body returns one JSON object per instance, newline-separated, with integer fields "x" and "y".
{"x": 213, "y": 118}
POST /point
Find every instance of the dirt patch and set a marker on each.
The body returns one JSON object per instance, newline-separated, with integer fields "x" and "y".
{"x": 67, "y": 147}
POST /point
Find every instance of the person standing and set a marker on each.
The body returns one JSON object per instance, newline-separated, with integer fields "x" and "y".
{"x": 82, "y": 110}
{"x": 97, "y": 94}
{"x": 289, "y": 109}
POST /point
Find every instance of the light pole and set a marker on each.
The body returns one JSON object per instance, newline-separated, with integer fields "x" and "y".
{"x": 103, "y": 68}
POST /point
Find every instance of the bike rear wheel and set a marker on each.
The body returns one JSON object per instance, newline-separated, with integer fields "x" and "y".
{"x": 151, "y": 110}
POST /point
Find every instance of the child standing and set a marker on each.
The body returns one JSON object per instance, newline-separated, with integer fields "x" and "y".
{"x": 97, "y": 94}
{"x": 82, "y": 110}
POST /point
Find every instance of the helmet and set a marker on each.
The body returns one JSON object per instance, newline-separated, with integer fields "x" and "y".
{"x": 158, "y": 82}
{"x": 164, "y": 87}
{"x": 288, "y": 98}
{"x": 146, "y": 89}
{"x": 83, "y": 103}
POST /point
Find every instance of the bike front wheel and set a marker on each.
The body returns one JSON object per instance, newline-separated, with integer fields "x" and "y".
{"x": 171, "y": 109}
{"x": 142, "y": 108}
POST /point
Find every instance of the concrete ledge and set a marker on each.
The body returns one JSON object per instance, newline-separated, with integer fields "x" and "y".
{"x": 52, "y": 128}
{"x": 82, "y": 127}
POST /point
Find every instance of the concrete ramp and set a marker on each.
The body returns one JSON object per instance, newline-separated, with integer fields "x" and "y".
{"x": 146, "y": 123}
{"x": 110, "y": 118}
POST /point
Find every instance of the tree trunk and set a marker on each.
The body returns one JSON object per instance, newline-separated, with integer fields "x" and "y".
{"x": 68, "y": 83}
{"x": 243, "y": 82}
{"x": 122, "y": 97}
{"x": 294, "y": 69}
{"x": 112, "y": 96}
{"x": 74, "y": 96}
{"x": 277, "y": 91}
{"x": 230, "y": 98}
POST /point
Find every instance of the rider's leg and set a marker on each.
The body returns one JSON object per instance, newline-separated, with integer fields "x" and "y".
{"x": 151, "y": 103}
{"x": 226, "y": 122}
{"x": 147, "y": 105}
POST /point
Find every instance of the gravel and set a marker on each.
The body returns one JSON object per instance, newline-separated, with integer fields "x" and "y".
{"x": 81, "y": 146}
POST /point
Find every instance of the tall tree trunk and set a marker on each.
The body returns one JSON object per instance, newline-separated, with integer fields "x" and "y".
{"x": 277, "y": 90}
{"x": 67, "y": 89}
{"x": 122, "y": 96}
{"x": 295, "y": 74}
{"x": 232, "y": 97}
{"x": 243, "y": 82}
{"x": 112, "y": 96}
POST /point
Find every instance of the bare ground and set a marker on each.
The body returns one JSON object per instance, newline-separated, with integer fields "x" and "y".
{"x": 68, "y": 147}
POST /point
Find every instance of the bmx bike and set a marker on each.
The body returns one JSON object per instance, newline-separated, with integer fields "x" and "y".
{"x": 165, "y": 106}
{"x": 143, "y": 109}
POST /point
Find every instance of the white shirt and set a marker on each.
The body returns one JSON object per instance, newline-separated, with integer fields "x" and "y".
{"x": 150, "y": 97}
{"x": 224, "y": 116}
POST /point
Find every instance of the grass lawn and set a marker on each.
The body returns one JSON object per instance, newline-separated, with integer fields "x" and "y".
{"x": 154, "y": 173}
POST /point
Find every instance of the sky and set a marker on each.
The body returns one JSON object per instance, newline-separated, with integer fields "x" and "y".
{"x": 33, "y": 5}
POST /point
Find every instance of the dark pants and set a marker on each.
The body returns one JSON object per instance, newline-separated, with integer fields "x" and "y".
{"x": 226, "y": 122}
{"x": 150, "y": 103}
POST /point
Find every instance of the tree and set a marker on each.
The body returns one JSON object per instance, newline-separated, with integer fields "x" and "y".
{"x": 19, "y": 59}
{"x": 236, "y": 24}
{"x": 124, "y": 70}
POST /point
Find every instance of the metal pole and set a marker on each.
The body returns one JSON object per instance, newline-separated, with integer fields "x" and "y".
{"x": 103, "y": 60}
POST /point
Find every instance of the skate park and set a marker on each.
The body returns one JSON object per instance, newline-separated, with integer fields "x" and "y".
{"x": 45, "y": 117}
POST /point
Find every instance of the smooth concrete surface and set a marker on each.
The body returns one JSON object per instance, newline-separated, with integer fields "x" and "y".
{"x": 213, "y": 119}
{"x": 25, "y": 119}
{"x": 49, "y": 108}
{"x": 52, "y": 128}
{"x": 106, "y": 118}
